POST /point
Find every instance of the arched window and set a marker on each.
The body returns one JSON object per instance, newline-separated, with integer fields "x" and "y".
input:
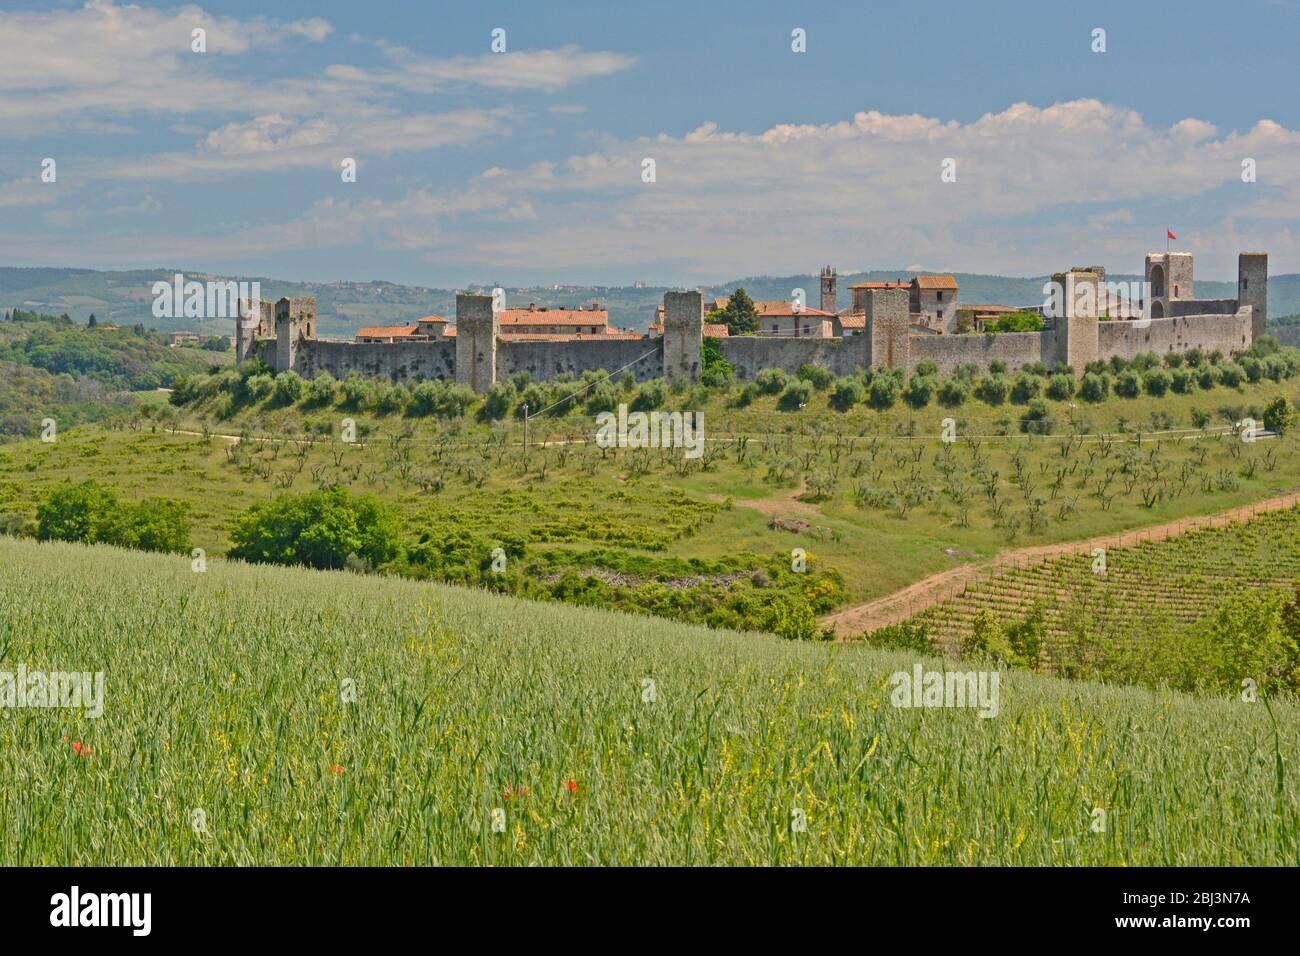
{"x": 1157, "y": 282}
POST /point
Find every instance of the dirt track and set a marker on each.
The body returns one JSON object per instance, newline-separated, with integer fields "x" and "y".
{"x": 853, "y": 621}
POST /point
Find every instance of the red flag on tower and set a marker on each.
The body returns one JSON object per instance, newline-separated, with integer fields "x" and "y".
{"x": 1169, "y": 234}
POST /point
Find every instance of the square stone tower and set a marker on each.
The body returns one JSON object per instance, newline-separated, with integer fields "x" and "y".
{"x": 477, "y": 327}
{"x": 683, "y": 335}
{"x": 256, "y": 321}
{"x": 828, "y": 290}
{"x": 1252, "y": 289}
{"x": 295, "y": 320}
{"x": 1169, "y": 277}
{"x": 890, "y": 327}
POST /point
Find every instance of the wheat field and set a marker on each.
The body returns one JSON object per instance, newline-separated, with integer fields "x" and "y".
{"x": 258, "y": 715}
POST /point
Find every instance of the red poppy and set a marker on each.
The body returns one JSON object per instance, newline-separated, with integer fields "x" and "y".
{"x": 336, "y": 770}
{"x": 571, "y": 786}
{"x": 76, "y": 745}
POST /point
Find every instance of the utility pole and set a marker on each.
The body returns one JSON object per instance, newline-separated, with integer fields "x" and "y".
{"x": 525, "y": 428}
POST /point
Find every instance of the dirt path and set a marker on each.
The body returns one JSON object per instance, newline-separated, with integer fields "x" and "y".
{"x": 899, "y": 606}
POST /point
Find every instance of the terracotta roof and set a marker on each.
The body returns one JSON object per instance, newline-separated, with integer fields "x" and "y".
{"x": 856, "y": 320}
{"x": 935, "y": 282}
{"x": 716, "y": 330}
{"x": 881, "y": 285}
{"x": 780, "y": 308}
{"x": 385, "y": 331}
{"x": 544, "y": 316}
{"x": 432, "y": 318}
{"x": 571, "y": 337}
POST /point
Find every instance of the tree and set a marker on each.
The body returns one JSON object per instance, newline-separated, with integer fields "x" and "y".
{"x": 91, "y": 323}
{"x": 320, "y": 530}
{"x": 1278, "y": 415}
{"x": 740, "y": 315}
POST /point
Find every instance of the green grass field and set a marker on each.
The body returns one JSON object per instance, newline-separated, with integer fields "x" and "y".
{"x": 223, "y": 707}
{"x": 468, "y": 475}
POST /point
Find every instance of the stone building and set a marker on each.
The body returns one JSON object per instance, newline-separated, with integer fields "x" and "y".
{"x": 482, "y": 349}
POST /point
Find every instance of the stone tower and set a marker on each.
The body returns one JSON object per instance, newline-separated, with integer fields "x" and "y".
{"x": 477, "y": 327}
{"x": 890, "y": 327}
{"x": 1169, "y": 277}
{"x": 1252, "y": 289}
{"x": 256, "y": 321}
{"x": 828, "y": 290}
{"x": 683, "y": 335}
{"x": 295, "y": 320}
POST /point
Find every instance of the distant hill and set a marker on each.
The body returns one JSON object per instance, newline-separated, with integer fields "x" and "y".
{"x": 126, "y": 297}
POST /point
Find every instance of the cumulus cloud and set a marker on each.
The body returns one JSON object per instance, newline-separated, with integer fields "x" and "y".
{"x": 1034, "y": 186}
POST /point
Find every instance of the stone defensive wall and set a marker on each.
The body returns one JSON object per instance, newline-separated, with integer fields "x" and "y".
{"x": 478, "y": 355}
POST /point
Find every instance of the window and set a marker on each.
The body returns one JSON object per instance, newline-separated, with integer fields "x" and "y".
{"x": 940, "y": 295}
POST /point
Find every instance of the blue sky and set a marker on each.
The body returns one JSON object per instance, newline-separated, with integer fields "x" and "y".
{"x": 526, "y": 167}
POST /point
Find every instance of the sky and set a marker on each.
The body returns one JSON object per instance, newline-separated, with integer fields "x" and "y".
{"x": 529, "y": 166}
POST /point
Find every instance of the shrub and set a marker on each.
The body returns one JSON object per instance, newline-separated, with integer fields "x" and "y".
{"x": 1128, "y": 384}
{"x": 1026, "y": 388}
{"x": 770, "y": 381}
{"x": 1182, "y": 381}
{"x": 91, "y": 513}
{"x": 905, "y": 636}
{"x": 796, "y": 395}
{"x": 259, "y": 387}
{"x": 1207, "y": 376}
{"x": 650, "y": 395}
{"x": 954, "y": 391}
{"x": 1060, "y": 387}
{"x": 321, "y": 529}
{"x": 391, "y": 399}
{"x": 919, "y": 391}
{"x": 1231, "y": 375}
{"x": 1253, "y": 368}
{"x": 818, "y": 377}
{"x": 456, "y": 400}
{"x": 1278, "y": 415}
{"x": 884, "y": 392}
{"x": 1094, "y": 387}
{"x": 425, "y": 398}
{"x": 926, "y": 367}
{"x": 847, "y": 393}
{"x": 354, "y": 391}
{"x": 288, "y": 388}
{"x": 496, "y": 402}
{"x": 1038, "y": 418}
{"x": 992, "y": 389}
{"x": 997, "y": 367}
{"x": 320, "y": 391}
{"x": 602, "y": 398}
{"x": 1156, "y": 382}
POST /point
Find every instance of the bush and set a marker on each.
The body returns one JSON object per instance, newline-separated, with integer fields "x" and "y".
{"x": 847, "y": 393}
{"x": 322, "y": 529}
{"x": 497, "y": 402}
{"x": 425, "y": 398}
{"x": 1157, "y": 382}
{"x": 288, "y": 388}
{"x": 906, "y": 636}
{"x": 770, "y": 381}
{"x": 927, "y": 368}
{"x": 1278, "y": 415}
{"x": 91, "y": 513}
{"x": 649, "y": 396}
{"x": 259, "y": 387}
{"x": 954, "y": 392}
{"x": 796, "y": 395}
{"x": 320, "y": 391}
{"x": 1231, "y": 375}
{"x": 602, "y": 398}
{"x": 818, "y": 377}
{"x": 354, "y": 391}
{"x": 992, "y": 389}
{"x": 1060, "y": 387}
{"x": 391, "y": 399}
{"x": 456, "y": 400}
{"x": 1182, "y": 381}
{"x": 1038, "y": 418}
{"x": 1026, "y": 389}
{"x": 919, "y": 391}
{"x": 1128, "y": 384}
{"x": 1094, "y": 387}
{"x": 1207, "y": 376}
{"x": 884, "y": 392}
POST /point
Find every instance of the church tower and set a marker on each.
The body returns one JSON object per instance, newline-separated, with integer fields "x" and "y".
{"x": 828, "y": 290}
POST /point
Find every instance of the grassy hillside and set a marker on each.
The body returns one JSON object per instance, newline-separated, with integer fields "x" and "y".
{"x": 872, "y": 496}
{"x": 224, "y": 738}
